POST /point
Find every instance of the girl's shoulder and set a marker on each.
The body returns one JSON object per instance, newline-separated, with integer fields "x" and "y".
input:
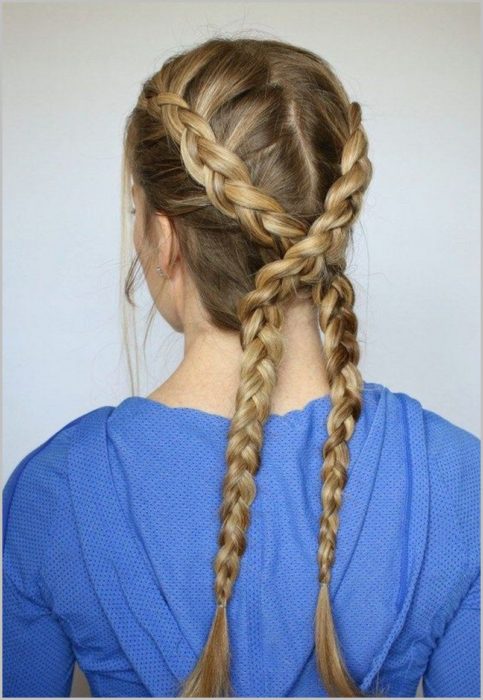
{"x": 33, "y": 497}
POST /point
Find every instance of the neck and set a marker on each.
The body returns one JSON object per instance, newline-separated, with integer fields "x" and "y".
{"x": 209, "y": 373}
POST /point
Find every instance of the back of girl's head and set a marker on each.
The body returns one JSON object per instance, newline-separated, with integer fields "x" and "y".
{"x": 254, "y": 151}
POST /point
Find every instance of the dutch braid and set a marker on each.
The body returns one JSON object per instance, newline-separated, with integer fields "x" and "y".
{"x": 261, "y": 318}
{"x": 309, "y": 258}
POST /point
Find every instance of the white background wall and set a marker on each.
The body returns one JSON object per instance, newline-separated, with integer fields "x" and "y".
{"x": 71, "y": 74}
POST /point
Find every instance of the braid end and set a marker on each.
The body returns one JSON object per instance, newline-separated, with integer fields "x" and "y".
{"x": 211, "y": 675}
{"x": 330, "y": 664}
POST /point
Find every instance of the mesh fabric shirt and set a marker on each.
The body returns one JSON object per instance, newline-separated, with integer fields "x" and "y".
{"x": 110, "y": 532}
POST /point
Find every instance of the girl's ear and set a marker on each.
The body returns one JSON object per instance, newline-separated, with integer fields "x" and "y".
{"x": 168, "y": 249}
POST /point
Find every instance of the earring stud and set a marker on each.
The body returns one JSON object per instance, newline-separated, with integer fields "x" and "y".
{"x": 160, "y": 272}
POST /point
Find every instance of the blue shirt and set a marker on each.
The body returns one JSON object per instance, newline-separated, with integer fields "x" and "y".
{"x": 110, "y": 533}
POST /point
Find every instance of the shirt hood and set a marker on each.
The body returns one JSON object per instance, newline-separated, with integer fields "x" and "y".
{"x": 146, "y": 484}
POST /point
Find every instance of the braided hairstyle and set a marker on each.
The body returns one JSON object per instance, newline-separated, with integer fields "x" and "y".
{"x": 242, "y": 143}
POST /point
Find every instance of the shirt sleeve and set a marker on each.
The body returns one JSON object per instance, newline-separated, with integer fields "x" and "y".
{"x": 454, "y": 666}
{"x": 38, "y": 658}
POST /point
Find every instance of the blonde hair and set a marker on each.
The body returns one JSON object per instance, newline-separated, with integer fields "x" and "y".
{"x": 253, "y": 150}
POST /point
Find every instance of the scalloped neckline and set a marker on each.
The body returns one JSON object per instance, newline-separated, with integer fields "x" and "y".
{"x": 322, "y": 401}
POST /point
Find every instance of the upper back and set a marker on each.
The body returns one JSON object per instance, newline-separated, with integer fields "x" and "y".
{"x": 132, "y": 494}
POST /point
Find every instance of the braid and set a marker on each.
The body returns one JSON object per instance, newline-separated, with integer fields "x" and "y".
{"x": 262, "y": 345}
{"x": 310, "y": 259}
{"x": 224, "y": 175}
{"x": 339, "y": 324}
{"x": 229, "y": 188}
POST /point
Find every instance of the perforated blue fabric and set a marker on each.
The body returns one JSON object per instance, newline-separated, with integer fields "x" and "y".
{"x": 110, "y": 531}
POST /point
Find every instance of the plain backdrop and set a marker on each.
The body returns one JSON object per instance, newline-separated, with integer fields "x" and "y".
{"x": 71, "y": 74}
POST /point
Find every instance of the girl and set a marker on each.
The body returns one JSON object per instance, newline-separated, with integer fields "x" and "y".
{"x": 265, "y": 522}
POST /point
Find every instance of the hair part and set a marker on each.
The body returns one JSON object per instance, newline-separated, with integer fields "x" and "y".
{"x": 255, "y": 152}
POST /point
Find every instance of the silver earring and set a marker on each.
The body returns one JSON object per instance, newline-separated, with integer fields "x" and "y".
{"x": 160, "y": 272}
